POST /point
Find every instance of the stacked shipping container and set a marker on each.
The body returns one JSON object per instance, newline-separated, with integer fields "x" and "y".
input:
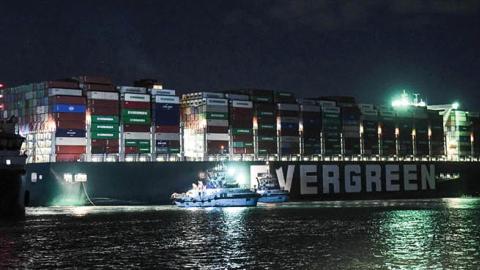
{"x": 458, "y": 133}
{"x": 136, "y": 120}
{"x": 264, "y": 123}
{"x": 331, "y": 128}
{"x": 102, "y": 115}
{"x": 387, "y": 131}
{"x": 436, "y": 134}
{"x": 166, "y": 119}
{"x": 369, "y": 130}
{"x": 241, "y": 124}
{"x": 420, "y": 131}
{"x": 404, "y": 131}
{"x": 475, "y": 137}
{"x": 310, "y": 128}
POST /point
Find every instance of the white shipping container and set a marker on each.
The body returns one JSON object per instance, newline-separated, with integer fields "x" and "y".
{"x": 218, "y": 137}
{"x": 132, "y": 89}
{"x": 64, "y": 92}
{"x": 217, "y": 123}
{"x": 366, "y": 106}
{"x": 136, "y": 97}
{"x": 70, "y": 141}
{"x": 216, "y": 101}
{"x": 287, "y": 107}
{"x": 137, "y": 135}
{"x": 167, "y": 136}
{"x": 167, "y": 99}
{"x": 242, "y": 104}
{"x": 102, "y": 95}
{"x": 42, "y": 109}
{"x": 310, "y": 108}
{"x": 161, "y": 92}
{"x": 326, "y": 103}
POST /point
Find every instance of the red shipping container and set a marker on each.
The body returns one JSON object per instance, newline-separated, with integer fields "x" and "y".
{"x": 239, "y": 151}
{"x": 174, "y": 144}
{"x": 111, "y": 149}
{"x": 68, "y": 116}
{"x": 104, "y": 111}
{"x": 217, "y": 147}
{"x": 95, "y": 79}
{"x": 249, "y": 150}
{"x": 131, "y": 150}
{"x": 71, "y": 124}
{"x": 98, "y": 149}
{"x": 97, "y": 103}
{"x": 70, "y": 149}
{"x": 242, "y": 138}
{"x": 215, "y": 129}
{"x": 60, "y": 84}
{"x": 136, "y": 105}
{"x": 67, "y": 100}
{"x": 167, "y": 129}
{"x": 99, "y": 87}
{"x": 136, "y": 128}
{"x": 68, "y": 157}
{"x": 105, "y": 142}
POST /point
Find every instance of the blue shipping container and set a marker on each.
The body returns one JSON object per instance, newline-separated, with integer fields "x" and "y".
{"x": 73, "y": 108}
{"x": 162, "y": 143}
{"x": 167, "y": 115}
{"x": 79, "y": 133}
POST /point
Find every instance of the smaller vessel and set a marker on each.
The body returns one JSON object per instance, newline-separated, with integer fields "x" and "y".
{"x": 219, "y": 190}
{"x": 269, "y": 189}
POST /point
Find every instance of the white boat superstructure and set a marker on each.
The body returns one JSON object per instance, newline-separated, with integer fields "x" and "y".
{"x": 219, "y": 190}
{"x": 269, "y": 189}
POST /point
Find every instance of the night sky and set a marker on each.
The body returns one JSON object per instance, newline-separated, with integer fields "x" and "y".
{"x": 368, "y": 49}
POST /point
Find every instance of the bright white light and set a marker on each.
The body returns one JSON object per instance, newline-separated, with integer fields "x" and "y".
{"x": 455, "y": 105}
{"x": 242, "y": 180}
{"x": 231, "y": 171}
{"x": 80, "y": 177}
{"x": 68, "y": 177}
{"x": 8, "y": 161}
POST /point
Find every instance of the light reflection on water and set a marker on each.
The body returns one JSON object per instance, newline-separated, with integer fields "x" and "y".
{"x": 396, "y": 234}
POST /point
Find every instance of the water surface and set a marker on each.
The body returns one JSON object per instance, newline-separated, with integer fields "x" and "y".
{"x": 400, "y": 234}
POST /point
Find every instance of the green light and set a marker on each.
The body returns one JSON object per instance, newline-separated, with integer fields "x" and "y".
{"x": 455, "y": 105}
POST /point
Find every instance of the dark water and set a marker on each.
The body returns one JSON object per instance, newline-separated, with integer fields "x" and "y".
{"x": 443, "y": 233}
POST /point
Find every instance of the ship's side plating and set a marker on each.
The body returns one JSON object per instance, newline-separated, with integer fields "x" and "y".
{"x": 154, "y": 182}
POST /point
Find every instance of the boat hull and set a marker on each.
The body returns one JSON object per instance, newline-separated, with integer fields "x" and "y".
{"x": 226, "y": 202}
{"x": 274, "y": 198}
{"x": 128, "y": 183}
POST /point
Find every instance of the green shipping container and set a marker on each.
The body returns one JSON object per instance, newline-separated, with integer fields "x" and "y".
{"x": 144, "y": 149}
{"x": 104, "y": 127}
{"x": 104, "y": 135}
{"x": 266, "y": 139}
{"x": 241, "y": 131}
{"x": 238, "y": 144}
{"x": 265, "y": 126}
{"x": 104, "y": 119}
{"x": 217, "y": 115}
{"x": 135, "y": 113}
{"x": 136, "y": 120}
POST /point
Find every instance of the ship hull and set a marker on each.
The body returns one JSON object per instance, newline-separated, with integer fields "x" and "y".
{"x": 274, "y": 198}
{"x": 11, "y": 193}
{"x": 227, "y": 202}
{"x": 128, "y": 183}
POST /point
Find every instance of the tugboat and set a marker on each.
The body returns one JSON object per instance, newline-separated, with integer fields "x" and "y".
{"x": 217, "y": 190}
{"x": 269, "y": 189}
{"x": 12, "y": 167}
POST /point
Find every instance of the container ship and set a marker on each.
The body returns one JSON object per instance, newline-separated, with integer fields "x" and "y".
{"x": 89, "y": 141}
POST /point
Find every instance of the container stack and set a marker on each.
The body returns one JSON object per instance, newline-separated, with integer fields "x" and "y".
{"x": 288, "y": 119}
{"x": 369, "y": 130}
{"x": 241, "y": 124}
{"x": 458, "y": 133}
{"x": 436, "y": 134}
{"x": 405, "y": 131}
{"x": 420, "y": 134}
{"x": 351, "y": 130}
{"x": 205, "y": 116}
{"x": 475, "y": 137}
{"x": 135, "y": 120}
{"x": 166, "y": 119}
{"x": 264, "y": 123}
{"x": 102, "y": 116}
{"x": 331, "y": 128}
{"x": 310, "y": 128}
{"x": 387, "y": 131}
